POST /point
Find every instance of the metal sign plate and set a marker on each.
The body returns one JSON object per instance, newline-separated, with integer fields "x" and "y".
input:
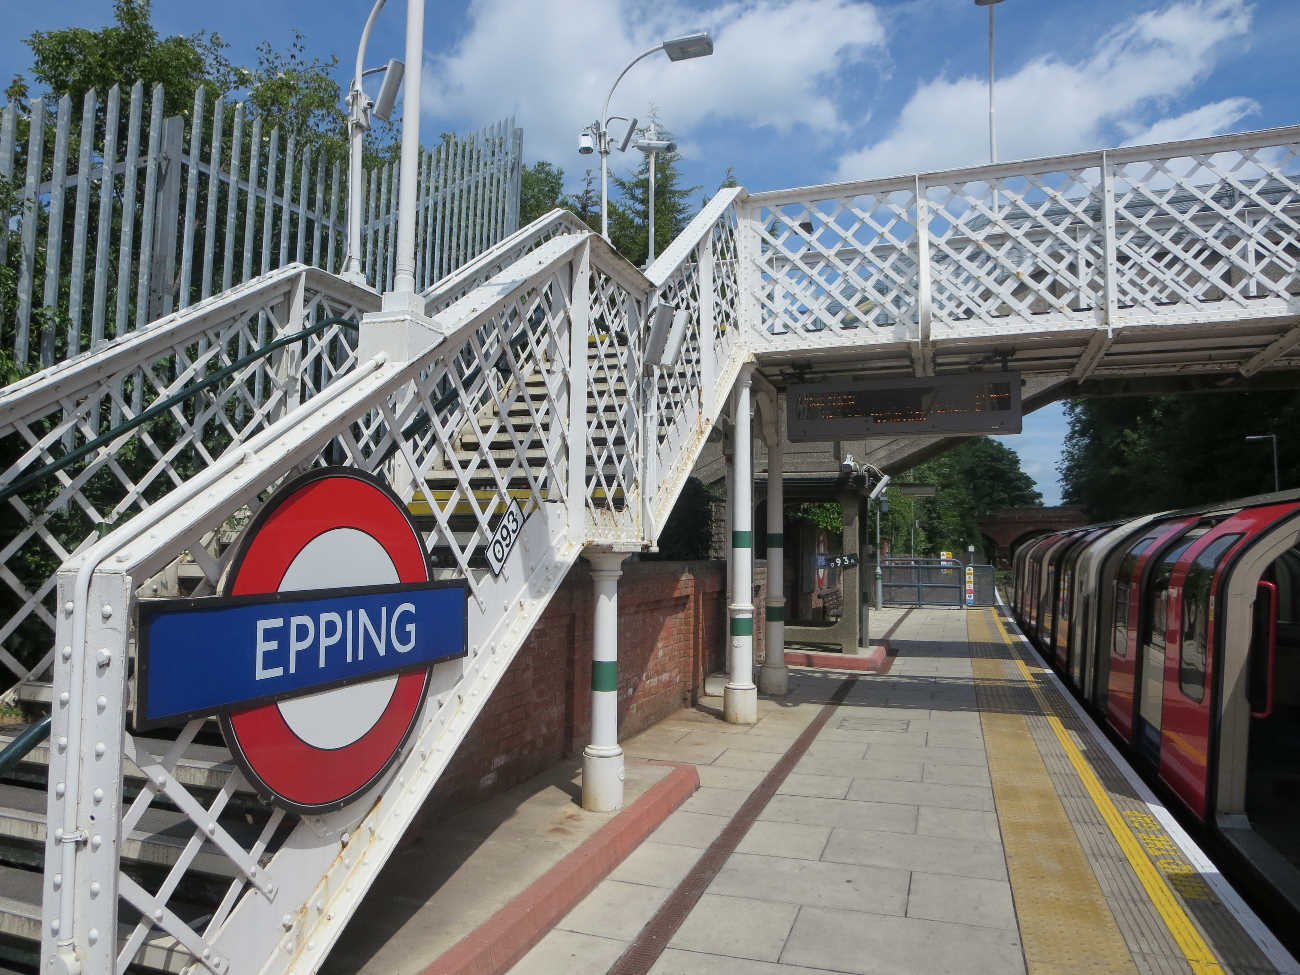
{"x": 972, "y": 403}
{"x": 504, "y": 538}
{"x": 330, "y": 570}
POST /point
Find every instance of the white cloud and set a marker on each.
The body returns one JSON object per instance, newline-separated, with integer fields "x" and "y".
{"x": 1206, "y": 120}
{"x": 550, "y": 62}
{"x": 1052, "y": 106}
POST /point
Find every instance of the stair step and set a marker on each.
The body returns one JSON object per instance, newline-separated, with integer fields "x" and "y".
{"x": 157, "y": 840}
{"x": 201, "y": 767}
{"x": 20, "y": 917}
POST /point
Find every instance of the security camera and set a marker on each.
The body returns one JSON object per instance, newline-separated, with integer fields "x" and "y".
{"x": 585, "y": 144}
{"x": 848, "y": 465}
{"x": 879, "y": 489}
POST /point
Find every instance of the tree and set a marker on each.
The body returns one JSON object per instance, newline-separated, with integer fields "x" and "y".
{"x": 1129, "y": 456}
{"x": 587, "y": 203}
{"x": 974, "y": 479}
{"x": 541, "y": 189}
{"x": 75, "y": 59}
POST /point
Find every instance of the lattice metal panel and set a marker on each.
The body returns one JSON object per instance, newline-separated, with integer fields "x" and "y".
{"x": 100, "y": 439}
{"x": 615, "y": 343}
{"x": 1015, "y": 246}
{"x": 1207, "y": 227}
{"x": 832, "y": 264}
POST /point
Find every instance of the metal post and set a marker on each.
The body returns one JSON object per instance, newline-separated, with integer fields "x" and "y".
{"x": 403, "y": 297}
{"x": 602, "y": 145}
{"x": 650, "y": 258}
{"x": 773, "y": 678}
{"x": 1277, "y": 483}
{"x": 993, "y": 139}
{"x": 602, "y": 760}
{"x": 740, "y": 695}
{"x": 880, "y": 579}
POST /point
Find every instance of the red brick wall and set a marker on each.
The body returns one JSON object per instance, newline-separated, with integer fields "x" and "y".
{"x": 670, "y": 614}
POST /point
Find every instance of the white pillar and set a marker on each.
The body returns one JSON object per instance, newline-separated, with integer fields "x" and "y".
{"x": 602, "y": 760}
{"x": 740, "y": 696}
{"x": 773, "y": 678}
{"x": 403, "y": 297}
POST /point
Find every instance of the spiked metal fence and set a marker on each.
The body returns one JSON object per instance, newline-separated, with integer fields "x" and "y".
{"x": 121, "y": 216}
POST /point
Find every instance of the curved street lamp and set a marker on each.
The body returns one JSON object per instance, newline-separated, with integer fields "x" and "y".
{"x": 360, "y": 108}
{"x": 678, "y": 49}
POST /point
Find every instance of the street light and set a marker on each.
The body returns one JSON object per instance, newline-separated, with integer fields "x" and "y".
{"x": 993, "y": 142}
{"x": 651, "y": 145}
{"x": 360, "y": 108}
{"x": 678, "y": 49}
{"x": 1258, "y": 437}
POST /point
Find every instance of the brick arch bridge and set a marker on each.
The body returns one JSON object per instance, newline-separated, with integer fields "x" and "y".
{"x": 1007, "y": 528}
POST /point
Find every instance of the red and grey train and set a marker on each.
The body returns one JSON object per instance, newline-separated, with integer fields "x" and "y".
{"x": 1181, "y": 631}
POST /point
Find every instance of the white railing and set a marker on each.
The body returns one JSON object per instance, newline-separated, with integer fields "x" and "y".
{"x": 1184, "y": 232}
{"x": 536, "y": 391}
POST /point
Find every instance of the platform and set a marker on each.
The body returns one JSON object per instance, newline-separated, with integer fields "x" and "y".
{"x": 957, "y": 814}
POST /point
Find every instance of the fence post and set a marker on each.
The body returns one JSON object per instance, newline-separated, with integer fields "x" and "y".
{"x": 579, "y": 326}
{"x": 708, "y": 313}
{"x": 166, "y": 217}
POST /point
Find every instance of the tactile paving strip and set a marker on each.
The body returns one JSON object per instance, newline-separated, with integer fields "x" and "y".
{"x": 1148, "y": 935}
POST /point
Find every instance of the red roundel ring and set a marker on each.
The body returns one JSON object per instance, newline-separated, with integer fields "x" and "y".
{"x": 279, "y": 758}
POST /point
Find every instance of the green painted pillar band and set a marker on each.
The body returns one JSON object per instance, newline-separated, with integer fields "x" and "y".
{"x": 775, "y": 613}
{"x": 742, "y": 539}
{"x": 776, "y": 539}
{"x": 604, "y": 675}
{"x": 742, "y": 626}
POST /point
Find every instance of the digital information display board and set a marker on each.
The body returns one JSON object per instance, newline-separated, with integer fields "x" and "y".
{"x": 972, "y": 403}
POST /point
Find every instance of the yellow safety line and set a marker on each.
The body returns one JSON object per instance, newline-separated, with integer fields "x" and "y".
{"x": 1193, "y": 946}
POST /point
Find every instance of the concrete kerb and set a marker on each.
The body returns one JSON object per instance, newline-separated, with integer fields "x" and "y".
{"x": 497, "y": 944}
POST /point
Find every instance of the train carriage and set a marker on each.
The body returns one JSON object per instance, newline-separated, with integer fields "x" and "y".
{"x": 1181, "y": 631}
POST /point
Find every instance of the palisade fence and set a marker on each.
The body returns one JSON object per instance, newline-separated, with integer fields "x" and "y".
{"x": 114, "y": 216}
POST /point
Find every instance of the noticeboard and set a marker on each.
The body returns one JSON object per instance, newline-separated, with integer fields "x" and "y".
{"x": 971, "y": 403}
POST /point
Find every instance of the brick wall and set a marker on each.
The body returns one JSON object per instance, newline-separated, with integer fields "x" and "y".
{"x": 670, "y": 616}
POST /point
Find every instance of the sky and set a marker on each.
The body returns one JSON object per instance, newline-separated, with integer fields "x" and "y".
{"x": 800, "y": 92}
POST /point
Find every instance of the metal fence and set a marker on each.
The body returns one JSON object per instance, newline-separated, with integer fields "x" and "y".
{"x": 934, "y": 582}
{"x": 114, "y": 216}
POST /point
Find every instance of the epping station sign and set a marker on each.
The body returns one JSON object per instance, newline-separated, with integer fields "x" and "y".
{"x": 317, "y": 654}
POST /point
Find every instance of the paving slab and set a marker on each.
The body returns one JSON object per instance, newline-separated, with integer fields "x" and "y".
{"x": 739, "y": 927}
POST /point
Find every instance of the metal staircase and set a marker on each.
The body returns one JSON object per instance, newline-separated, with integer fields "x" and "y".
{"x": 533, "y": 389}
{"x": 128, "y": 472}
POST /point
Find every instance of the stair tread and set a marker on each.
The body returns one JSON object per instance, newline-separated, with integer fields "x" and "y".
{"x": 205, "y": 766}
{"x": 158, "y": 838}
{"x": 20, "y": 916}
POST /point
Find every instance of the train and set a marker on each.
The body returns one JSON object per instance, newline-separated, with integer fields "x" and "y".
{"x": 1180, "y": 631}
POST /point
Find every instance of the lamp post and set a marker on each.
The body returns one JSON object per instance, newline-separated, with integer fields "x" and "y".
{"x": 650, "y": 144}
{"x": 1255, "y": 438}
{"x": 678, "y": 49}
{"x": 993, "y": 141}
{"x": 360, "y": 108}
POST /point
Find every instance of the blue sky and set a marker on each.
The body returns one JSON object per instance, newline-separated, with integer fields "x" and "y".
{"x": 802, "y": 91}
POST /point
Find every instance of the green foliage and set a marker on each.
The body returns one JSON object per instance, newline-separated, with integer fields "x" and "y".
{"x": 296, "y": 92}
{"x": 689, "y": 530}
{"x": 541, "y": 190}
{"x": 76, "y": 59}
{"x": 586, "y": 204}
{"x": 828, "y": 516}
{"x": 1130, "y": 456}
{"x": 973, "y": 480}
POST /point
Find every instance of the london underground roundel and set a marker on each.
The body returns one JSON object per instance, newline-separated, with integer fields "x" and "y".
{"x": 332, "y": 529}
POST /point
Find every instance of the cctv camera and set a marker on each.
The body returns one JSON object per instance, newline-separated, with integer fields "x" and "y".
{"x": 585, "y": 145}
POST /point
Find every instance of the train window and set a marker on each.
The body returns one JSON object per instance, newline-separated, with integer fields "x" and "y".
{"x": 1119, "y": 636}
{"x": 1196, "y": 615}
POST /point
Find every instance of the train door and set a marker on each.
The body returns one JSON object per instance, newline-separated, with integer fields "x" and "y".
{"x": 1065, "y": 588}
{"x": 1042, "y": 626}
{"x": 1158, "y": 594}
{"x": 1121, "y": 696}
{"x": 1033, "y": 572}
{"x": 1184, "y": 757}
{"x": 1253, "y": 664}
{"x": 1097, "y": 575}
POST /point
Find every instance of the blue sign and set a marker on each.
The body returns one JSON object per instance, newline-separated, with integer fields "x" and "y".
{"x": 202, "y": 656}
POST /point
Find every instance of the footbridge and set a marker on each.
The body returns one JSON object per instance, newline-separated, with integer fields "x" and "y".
{"x": 536, "y": 374}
